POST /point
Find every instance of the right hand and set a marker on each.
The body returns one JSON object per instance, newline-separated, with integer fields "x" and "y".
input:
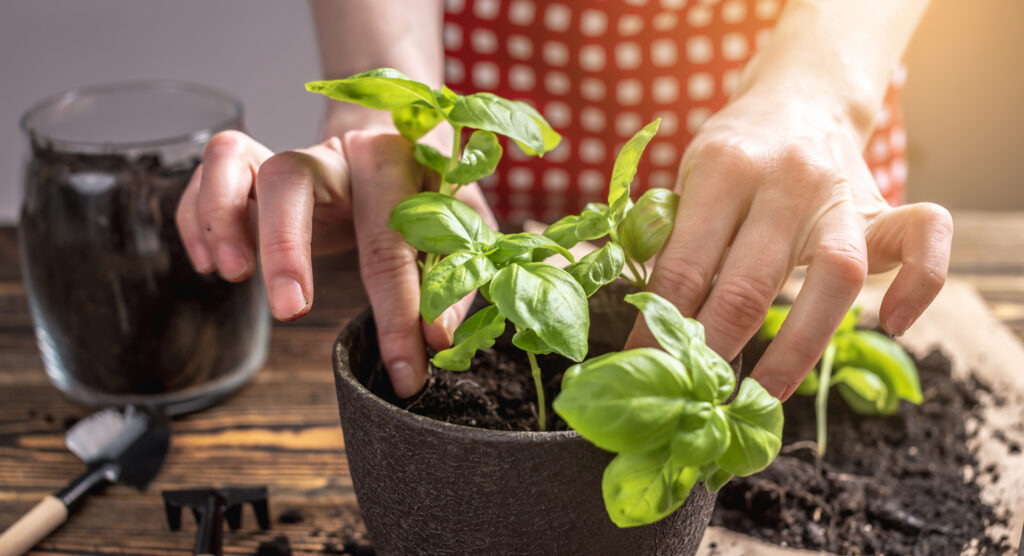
{"x": 326, "y": 198}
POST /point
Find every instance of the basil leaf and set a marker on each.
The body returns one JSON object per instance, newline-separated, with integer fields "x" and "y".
{"x": 809, "y": 386}
{"x": 415, "y": 120}
{"x": 514, "y": 246}
{"x": 382, "y": 89}
{"x": 625, "y": 166}
{"x": 527, "y": 340}
{"x": 436, "y": 223}
{"x": 870, "y": 350}
{"x": 672, "y": 330}
{"x": 431, "y": 158}
{"x": 701, "y": 436}
{"x": 629, "y": 401}
{"x": 514, "y": 119}
{"x": 755, "y": 430}
{"x": 453, "y": 278}
{"x": 864, "y": 391}
{"x": 773, "y": 321}
{"x": 715, "y": 478}
{"x": 445, "y": 99}
{"x": 477, "y": 332}
{"x": 598, "y": 268}
{"x": 547, "y": 300}
{"x": 713, "y": 377}
{"x": 575, "y": 228}
{"x": 646, "y": 227}
{"x": 479, "y": 158}
{"x": 643, "y": 488}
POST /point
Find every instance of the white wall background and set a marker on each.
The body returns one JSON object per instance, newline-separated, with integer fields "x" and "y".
{"x": 262, "y": 51}
{"x": 964, "y": 97}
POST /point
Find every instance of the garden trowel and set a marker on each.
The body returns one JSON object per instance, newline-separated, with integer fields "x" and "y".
{"x": 118, "y": 446}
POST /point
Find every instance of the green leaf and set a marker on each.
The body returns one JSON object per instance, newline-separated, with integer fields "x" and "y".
{"x": 864, "y": 391}
{"x": 453, "y": 278}
{"x": 628, "y": 401}
{"x": 646, "y": 227}
{"x": 514, "y": 119}
{"x": 517, "y": 246}
{"x": 755, "y": 430}
{"x": 436, "y": 223}
{"x": 773, "y": 321}
{"x": 625, "y": 168}
{"x": 479, "y": 158}
{"x": 701, "y": 436}
{"x": 547, "y": 300}
{"x": 713, "y": 377}
{"x": 672, "y": 330}
{"x": 574, "y": 228}
{"x": 431, "y": 158}
{"x": 850, "y": 320}
{"x": 415, "y": 120}
{"x": 643, "y": 488}
{"x": 809, "y": 386}
{"x": 382, "y": 89}
{"x": 715, "y": 478}
{"x": 475, "y": 333}
{"x": 527, "y": 340}
{"x": 445, "y": 99}
{"x": 877, "y": 353}
{"x": 598, "y": 268}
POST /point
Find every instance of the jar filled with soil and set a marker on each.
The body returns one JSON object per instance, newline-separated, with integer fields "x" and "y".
{"x": 120, "y": 315}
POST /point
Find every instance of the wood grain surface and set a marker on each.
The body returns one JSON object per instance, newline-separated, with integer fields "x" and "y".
{"x": 281, "y": 430}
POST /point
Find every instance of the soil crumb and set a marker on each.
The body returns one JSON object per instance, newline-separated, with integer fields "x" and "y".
{"x": 894, "y": 485}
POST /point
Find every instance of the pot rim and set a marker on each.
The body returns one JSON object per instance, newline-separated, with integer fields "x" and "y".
{"x": 343, "y": 370}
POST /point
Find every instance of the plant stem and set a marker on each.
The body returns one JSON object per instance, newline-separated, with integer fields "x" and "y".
{"x": 821, "y": 401}
{"x": 431, "y": 260}
{"x": 638, "y": 278}
{"x": 539, "y": 385}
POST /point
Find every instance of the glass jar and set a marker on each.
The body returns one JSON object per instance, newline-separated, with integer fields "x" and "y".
{"x": 120, "y": 315}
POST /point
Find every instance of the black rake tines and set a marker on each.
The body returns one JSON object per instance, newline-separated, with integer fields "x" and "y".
{"x": 211, "y": 507}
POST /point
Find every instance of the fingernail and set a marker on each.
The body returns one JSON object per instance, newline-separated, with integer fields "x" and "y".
{"x": 201, "y": 258}
{"x": 286, "y": 297}
{"x": 404, "y": 379}
{"x": 448, "y": 322}
{"x": 231, "y": 261}
{"x": 900, "y": 321}
{"x": 775, "y": 385}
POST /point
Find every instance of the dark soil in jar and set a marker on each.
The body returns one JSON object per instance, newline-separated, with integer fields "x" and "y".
{"x": 116, "y": 303}
{"x": 892, "y": 485}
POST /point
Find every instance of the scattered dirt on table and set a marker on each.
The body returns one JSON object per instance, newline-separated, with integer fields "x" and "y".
{"x": 896, "y": 485}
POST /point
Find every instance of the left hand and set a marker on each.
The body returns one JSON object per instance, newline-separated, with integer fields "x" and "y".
{"x": 767, "y": 184}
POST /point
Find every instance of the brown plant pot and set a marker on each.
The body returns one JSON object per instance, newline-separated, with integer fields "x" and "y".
{"x": 429, "y": 487}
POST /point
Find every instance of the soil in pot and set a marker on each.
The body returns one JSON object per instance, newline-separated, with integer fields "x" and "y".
{"x": 897, "y": 485}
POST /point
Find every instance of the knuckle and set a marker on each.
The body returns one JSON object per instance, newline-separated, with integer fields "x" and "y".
{"x": 285, "y": 244}
{"x": 935, "y": 217}
{"x": 846, "y": 261}
{"x": 680, "y": 280}
{"x": 385, "y": 255}
{"x": 932, "y": 277}
{"x": 743, "y": 301}
{"x": 284, "y": 166}
{"x": 226, "y": 144}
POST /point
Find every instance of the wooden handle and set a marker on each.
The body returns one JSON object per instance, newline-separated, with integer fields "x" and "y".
{"x": 33, "y": 527}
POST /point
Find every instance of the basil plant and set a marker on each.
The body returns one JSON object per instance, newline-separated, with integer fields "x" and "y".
{"x": 870, "y": 371}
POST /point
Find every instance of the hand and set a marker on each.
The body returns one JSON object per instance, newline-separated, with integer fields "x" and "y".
{"x": 768, "y": 184}
{"x": 323, "y": 199}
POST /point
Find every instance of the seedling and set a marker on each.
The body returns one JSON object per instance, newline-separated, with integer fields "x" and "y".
{"x": 874, "y": 372}
{"x": 660, "y": 411}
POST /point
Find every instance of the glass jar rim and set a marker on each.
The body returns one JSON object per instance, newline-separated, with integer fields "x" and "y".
{"x": 157, "y": 85}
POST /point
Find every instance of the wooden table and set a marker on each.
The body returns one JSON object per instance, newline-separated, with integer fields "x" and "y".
{"x": 282, "y": 429}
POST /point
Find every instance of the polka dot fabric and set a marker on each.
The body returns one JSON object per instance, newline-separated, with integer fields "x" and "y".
{"x": 599, "y": 70}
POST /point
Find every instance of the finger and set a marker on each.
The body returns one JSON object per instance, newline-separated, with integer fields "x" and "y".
{"x": 838, "y": 265}
{"x": 189, "y": 229}
{"x": 759, "y": 260}
{"x": 230, "y": 162}
{"x": 286, "y": 187}
{"x": 707, "y": 218}
{"x": 383, "y": 172}
{"x": 439, "y": 334}
{"x": 919, "y": 236}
